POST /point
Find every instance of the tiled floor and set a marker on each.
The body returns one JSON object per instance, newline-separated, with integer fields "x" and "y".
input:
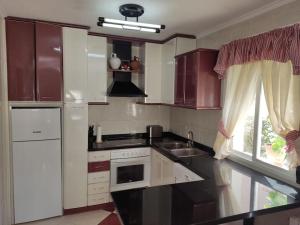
{"x": 86, "y": 218}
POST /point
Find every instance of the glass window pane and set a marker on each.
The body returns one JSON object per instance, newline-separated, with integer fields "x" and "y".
{"x": 244, "y": 133}
{"x": 271, "y": 148}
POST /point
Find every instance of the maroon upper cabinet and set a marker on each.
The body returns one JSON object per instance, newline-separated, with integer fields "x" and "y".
{"x": 20, "y": 60}
{"x": 48, "y": 62}
{"x": 202, "y": 88}
{"x": 208, "y": 84}
{"x": 180, "y": 80}
{"x": 190, "y": 97}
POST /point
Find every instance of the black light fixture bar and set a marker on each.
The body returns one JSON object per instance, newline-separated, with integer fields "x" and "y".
{"x": 130, "y": 10}
{"x": 103, "y": 22}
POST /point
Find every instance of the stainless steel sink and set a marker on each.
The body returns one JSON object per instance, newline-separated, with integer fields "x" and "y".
{"x": 174, "y": 145}
{"x": 186, "y": 152}
{"x": 181, "y": 149}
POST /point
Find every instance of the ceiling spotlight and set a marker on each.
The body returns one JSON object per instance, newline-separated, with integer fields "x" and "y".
{"x": 130, "y": 10}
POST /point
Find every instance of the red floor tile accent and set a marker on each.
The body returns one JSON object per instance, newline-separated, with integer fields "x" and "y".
{"x": 112, "y": 219}
{"x": 109, "y": 207}
{"x": 106, "y": 206}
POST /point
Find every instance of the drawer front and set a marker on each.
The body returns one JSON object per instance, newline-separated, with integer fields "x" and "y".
{"x": 99, "y": 177}
{"x": 98, "y": 199}
{"x": 98, "y": 188}
{"x": 99, "y": 156}
{"x": 98, "y": 166}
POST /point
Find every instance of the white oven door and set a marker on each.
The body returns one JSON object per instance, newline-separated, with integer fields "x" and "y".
{"x": 130, "y": 173}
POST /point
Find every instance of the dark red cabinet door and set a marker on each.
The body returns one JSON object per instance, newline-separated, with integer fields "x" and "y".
{"x": 180, "y": 80}
{"x": 209, "y": 86}
{"x": 20, "y": 60}
{"x": 48, "y": 62}
{"x": 190, "y": 98}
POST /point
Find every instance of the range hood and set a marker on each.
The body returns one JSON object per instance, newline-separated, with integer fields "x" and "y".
{"x": 123, "y": 87}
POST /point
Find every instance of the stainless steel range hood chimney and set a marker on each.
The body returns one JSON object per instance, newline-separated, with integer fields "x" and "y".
{"x": 122, "y": 85}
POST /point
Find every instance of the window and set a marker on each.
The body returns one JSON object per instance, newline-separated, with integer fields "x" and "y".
{"x": 243, "y": 139}
{"x": 271, "y": 147}
{"x": 255, "y": 139}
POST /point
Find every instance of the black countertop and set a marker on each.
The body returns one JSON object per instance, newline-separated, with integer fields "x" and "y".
{"x": 229, "y": 192}
{"x": 120, "y": 141}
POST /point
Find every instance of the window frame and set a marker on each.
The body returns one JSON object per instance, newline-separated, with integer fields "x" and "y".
{"x": 252, "y": 161}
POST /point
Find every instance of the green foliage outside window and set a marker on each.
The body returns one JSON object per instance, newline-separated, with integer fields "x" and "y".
{"x": 275, "y": 198}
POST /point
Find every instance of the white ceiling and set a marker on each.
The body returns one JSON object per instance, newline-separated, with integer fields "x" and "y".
{"x": 179, "y": 16}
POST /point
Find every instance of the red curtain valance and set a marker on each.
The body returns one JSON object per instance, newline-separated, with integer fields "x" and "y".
{"x": 279, "y": 45}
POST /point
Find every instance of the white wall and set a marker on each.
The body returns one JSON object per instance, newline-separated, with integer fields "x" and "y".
{"x": 283, "y": 16}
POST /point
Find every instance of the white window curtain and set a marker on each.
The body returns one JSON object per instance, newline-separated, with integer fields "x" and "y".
{"x": 241, "y": 86}
{"x": 282, "y": 92}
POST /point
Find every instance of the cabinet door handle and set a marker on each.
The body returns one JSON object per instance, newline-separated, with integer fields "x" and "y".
{"x": 36, "y": 131}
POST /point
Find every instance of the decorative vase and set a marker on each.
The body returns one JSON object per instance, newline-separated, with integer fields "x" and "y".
{"x": 135, "y": 63}
{"x": 114, "y": 61}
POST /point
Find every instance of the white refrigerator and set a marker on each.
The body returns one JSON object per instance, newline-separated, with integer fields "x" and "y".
{"x": 37, "y": 163}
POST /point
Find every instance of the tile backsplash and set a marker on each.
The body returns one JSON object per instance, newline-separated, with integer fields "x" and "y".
{"x": 203, "y": 123}
{"x": 123, "y": 115}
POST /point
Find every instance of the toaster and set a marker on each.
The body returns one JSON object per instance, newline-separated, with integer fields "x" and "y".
{"x": 154, "y": 131}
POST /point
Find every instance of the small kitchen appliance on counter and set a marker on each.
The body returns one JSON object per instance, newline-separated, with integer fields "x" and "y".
{"x": 154, "y": 131}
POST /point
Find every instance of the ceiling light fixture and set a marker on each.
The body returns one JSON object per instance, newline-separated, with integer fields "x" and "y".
{"x": 130, "y": 10}
{"x": 112, "y": 25}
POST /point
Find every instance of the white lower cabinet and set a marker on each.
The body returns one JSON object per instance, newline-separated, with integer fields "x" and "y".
{"x": 97, "y": 199}
{"x": 162, "y": 171}
{"x": 182, "y": 174}
{"x": 99, "y": 177}
{"x": 99, "y": 156}
{"x": 165, "y": 171}
{"x": 98, "y": 188}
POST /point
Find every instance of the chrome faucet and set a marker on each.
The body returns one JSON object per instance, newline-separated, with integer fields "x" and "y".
{"x": 190, "y": 138}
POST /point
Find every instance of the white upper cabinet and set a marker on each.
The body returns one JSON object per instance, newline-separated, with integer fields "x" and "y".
{"x": 170, "y": 49}
{"x": 97, "y": 69}
{"x": 168, "y": 71}
{"x": 184, "y": 45}
{"x": 75, "y": 64}
{"x": 152, "y": 72}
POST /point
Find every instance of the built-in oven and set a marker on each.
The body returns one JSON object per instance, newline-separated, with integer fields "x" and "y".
{"x": 130, "y": 168}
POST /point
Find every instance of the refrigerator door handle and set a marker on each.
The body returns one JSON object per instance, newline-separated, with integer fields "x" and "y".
{"x": 37, "y": 132}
